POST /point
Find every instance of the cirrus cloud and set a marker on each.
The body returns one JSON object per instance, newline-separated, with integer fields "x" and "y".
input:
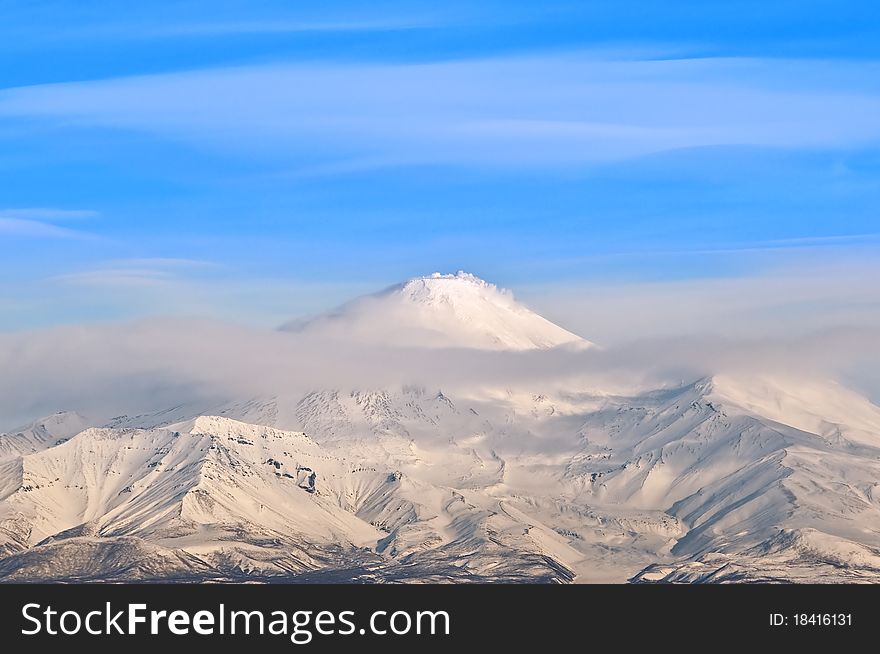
{"x": 539, "y": 111}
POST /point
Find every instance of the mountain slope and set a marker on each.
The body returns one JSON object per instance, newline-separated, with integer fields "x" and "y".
{"x": 457, "y": 310}
{"x": 41, "y": 434}
{"x": 213, "y": 498}
{"x": 722, "y": 478}
{"x": 605, "y": 486}
{"x": 690, "y": 484}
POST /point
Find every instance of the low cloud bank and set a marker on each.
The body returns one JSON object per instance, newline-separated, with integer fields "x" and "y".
{"x": 129, "y": 368}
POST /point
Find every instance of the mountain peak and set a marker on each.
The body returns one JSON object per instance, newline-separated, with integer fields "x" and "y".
{"x": 443, "y": 310}
{"x": 450, "y": 289}
{"x": 461, "y": 275}
{"x": 439, "y": 280}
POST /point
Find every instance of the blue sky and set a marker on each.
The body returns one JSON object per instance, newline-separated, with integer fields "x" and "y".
{"x": 262, "y": 160}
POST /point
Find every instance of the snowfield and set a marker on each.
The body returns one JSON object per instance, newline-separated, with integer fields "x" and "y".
{"x": 725, "y": 478}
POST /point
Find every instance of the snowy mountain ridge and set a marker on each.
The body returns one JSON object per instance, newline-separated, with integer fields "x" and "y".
{"x": 728, "y": 477}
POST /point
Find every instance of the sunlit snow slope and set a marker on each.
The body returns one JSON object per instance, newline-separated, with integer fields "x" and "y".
{"x": 723, "y": 478}
{"x": 457, "y": 310}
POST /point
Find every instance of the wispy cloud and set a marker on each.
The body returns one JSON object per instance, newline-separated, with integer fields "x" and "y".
{"x": 809, "y": 293}
{"x": 183, "y": 27}
{"x": 34, "y": 228}
{"x": 541, "y": 111}
{"x": 211, "y": 29}
{"x": 48, "y": 214}
{"x": 116, "y": 278}
{"x": 805, "y": 245}
{"x": 164, "y": 263}
{"x": 38, "y": 222}
{"x": 141, "y": 273}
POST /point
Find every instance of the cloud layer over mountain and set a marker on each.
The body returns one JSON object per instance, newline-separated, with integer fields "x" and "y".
{"x": 144, "y": 365}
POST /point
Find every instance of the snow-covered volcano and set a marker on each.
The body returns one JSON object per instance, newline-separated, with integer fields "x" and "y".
{"x": 543, "y": 478}
{"x": 438, "y": 310}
